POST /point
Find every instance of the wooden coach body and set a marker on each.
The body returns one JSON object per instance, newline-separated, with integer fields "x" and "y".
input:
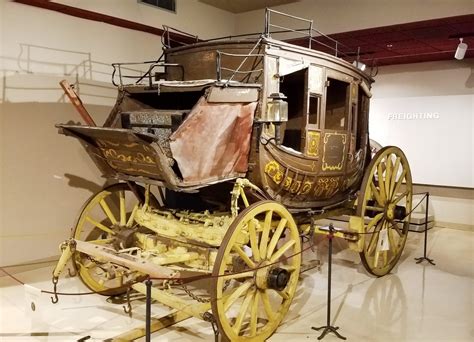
{"x": 210, "y": 120}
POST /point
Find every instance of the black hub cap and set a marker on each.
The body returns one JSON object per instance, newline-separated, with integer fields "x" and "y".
{"x": 278, "y": 278}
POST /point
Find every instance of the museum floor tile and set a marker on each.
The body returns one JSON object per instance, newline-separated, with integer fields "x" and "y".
{"x": 414, "y": 303}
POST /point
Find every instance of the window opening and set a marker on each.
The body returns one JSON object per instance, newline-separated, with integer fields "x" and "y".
{"x": 337, "y": 95}
{"x": 292, "y": 86}
{"x": 362, "y": 116}
{"x": 314, "y": 109}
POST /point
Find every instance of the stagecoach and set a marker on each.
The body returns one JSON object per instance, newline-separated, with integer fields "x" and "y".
{"x": 226, "y": 153}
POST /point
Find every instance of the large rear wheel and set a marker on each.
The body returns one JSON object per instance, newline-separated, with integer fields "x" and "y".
{"x": 385, "y": 204}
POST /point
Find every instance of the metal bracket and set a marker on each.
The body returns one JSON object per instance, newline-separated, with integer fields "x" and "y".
{"x": 208, "y": 317}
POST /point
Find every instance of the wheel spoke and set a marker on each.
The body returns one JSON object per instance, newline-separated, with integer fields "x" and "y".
{"x": 394, "y": 177}
{"x": 383, "y": 195}
{"x": 388, "y": 175}
{"x": 373, "y": 221}
{"x": 240, "y": 291}
{"x": 395, "y": 227}
{"x": 254, "y": 314}
{"x": 253, "y": 240}
{"x": 391, "y": 241}
{"x": 100, "y": 225}
{"x": 267, "y": 306}
{"x": 376, "y": 258}
{"x": 266, "y": 231}
{"x": 283, "y": 294}
{"x": 123, "y": 214}
{"x": 399, "y": 197}
{"x": 372, "y": 243}
{"x": 244, "y": 256}
{"x": 376, "y": 194}
{"x": 282, "y": 250}
{"x": 374, "y": 239}
{"x": 399, "y": 182}
{"x": 243, "y": 311}
{"x": 131, "y": 219}
{"x": 101, "y": 241}
{"x": 106, "y": 209}
{"x": 276, "y": 237}
{"x": 239, "y": 275}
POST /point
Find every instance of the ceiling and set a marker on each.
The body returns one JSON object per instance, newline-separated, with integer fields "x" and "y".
{"x": 421, "y": 41}
{"x": 240, "y": 6}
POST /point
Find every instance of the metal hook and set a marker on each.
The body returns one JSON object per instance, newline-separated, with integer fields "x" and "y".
{"x": 128, "y": 308}
{"x": 208, "y": 317}
{"x": 55, "y": 299}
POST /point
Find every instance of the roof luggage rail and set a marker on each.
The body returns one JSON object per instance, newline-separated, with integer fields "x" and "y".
{"x": 170, "y": 36}
{"x": 310, "y": 33}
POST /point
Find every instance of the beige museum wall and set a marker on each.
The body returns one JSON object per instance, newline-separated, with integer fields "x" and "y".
{"x": 441, "y": 150}
{"x": 46, "y": 177}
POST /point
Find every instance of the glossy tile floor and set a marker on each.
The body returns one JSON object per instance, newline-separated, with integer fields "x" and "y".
{"x": 415, "y": 303}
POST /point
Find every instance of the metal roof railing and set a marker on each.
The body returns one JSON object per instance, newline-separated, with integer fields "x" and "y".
{"x": 167, "y": 38}
{"x": 142, "y": 74}
{"x": 309, "y": 33}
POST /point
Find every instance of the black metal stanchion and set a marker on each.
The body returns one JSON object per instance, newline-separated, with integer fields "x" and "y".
{"x": 424, "y": 257}
{"x": 328, "y": 327}
{"x": 148, "y": 284}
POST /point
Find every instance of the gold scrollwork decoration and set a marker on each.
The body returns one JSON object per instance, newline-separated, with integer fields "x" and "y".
{"x": 111, "y": 153}
{"x": 326, "y": 187}
{"x": 287, "y": 183}
{"x": 274, "y": 171}
{"x": 295, "y": 187}
{"x": 313, "y": 143}
{"x": 306, "y": 187}
{"x": 337, "y": 152}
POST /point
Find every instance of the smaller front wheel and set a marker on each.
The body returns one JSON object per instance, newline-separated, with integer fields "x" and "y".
{"x": 107, "y": 219}
{"x": 256, "y": 272}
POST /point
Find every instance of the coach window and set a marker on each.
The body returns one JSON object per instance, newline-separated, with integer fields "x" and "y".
{"x": 337, "y": 103}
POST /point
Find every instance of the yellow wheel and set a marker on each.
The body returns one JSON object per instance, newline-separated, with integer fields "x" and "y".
{"x": 256, "y": 272}
{"x": 107, "y": 219}
{"x": 385, "y": 203}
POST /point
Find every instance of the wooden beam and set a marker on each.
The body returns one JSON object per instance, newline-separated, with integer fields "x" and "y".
{"x": 192, "y": 308}
{"x": 128, "y": 261}
{"x": 156, "y": 325}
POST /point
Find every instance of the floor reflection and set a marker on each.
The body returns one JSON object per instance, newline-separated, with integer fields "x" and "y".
{"x": 384, "y": 309}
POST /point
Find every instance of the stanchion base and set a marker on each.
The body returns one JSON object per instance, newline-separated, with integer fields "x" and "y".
{"x": 328, "y": 329}
{"x": 420, "y": 260}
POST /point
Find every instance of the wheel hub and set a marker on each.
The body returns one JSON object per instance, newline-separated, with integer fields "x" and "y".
{"x": 395, "y": 212}
{"x": 261, "y": 276}
{"x": 390, "y": 213}
{"x": 278, "y": 278}
{"x": 124, "y": 238}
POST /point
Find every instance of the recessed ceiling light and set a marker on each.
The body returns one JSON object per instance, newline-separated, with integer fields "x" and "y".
{"x": 389, "y": 45}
